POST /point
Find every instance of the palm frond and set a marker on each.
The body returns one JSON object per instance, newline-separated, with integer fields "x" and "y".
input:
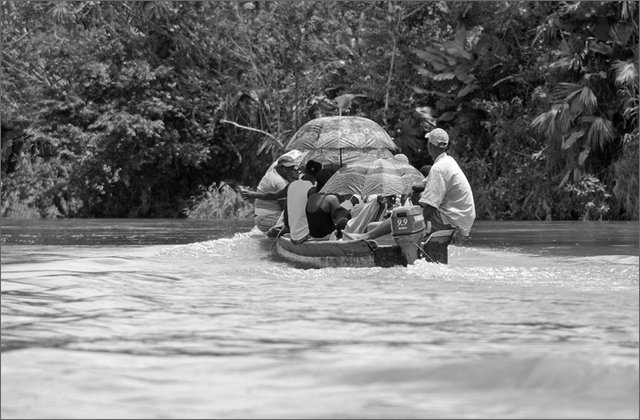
{"x": 621, "y": 33}
{"x": 545, "y": 123}
{"x": 600, "y": 48}
{"x": 600, "y": 132}
{"x": 631, "y": 108}
{"x": 564, "y": 92}
{"x": 573, "y": 54}
{"x": 569, "y": 8}
{"x": 628, "y": 9}
{"x": 626, "y": 73}
{"x": 587, "y": 100}
{"x": 561, "y": 65}
{"x": 564, "y": 118}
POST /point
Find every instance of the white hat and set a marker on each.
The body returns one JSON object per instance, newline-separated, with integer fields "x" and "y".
{"x": 286, "y": 161}
{"x": 438, "y": 137}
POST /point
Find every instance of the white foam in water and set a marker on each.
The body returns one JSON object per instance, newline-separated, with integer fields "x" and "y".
{"x": 238, "y": 246}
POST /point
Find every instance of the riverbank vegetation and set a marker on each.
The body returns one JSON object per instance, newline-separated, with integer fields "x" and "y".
{"x": 159, "y": 108}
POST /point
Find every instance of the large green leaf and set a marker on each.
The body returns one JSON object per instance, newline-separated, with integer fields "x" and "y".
{"x": 432, "y": 92}
{"x": 571, "y": 139}
{"x": 444, "y": 76}
{"x": 430, "y": 56}
{"x": 583, "y": 156}
{"x": 447, "y": 116}
{"x": 455, "y": 50}
{"x": 468, "y": 89}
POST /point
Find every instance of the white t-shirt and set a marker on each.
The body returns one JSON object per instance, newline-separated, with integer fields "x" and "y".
{"x": 296, "y": 205}
{"x": 271, "y": 182}
{"x": 448, "y": 190}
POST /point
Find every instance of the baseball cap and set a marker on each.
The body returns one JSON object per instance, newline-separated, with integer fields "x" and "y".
{"x": 286, "y": 161}
{"x": 438, "y": 137}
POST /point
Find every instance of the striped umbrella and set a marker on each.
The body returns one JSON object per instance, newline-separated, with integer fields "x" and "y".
{"x": 390, "y": 176}
{"x": 350, "y": 178}
{"x": 386, "y": 176}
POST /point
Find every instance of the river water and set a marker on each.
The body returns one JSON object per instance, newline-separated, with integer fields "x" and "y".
{"x": 197, "y": 319}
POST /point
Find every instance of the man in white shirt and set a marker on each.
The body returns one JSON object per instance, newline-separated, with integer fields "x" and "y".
{"x": 447, "y": 199}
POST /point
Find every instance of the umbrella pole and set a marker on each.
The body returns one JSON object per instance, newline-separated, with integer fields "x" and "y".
{"x": 341, "y": 157}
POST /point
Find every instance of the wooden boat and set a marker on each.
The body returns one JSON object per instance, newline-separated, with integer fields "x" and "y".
{"x": 404, "y": 245}
{"x": 381, "y": 252}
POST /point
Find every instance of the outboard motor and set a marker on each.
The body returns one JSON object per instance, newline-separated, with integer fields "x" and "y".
{"x": 408, "y": 228}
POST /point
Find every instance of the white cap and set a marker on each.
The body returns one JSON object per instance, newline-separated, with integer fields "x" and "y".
{"x": 438, "y": 137}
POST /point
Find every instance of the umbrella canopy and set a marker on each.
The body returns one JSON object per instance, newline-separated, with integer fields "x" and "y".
{"x": 350, "y": 178}
{"x": 338, "y": 132}
{"x": 344, "y": 157}
{"x": 364, "y": 177}
{"x": 390, "y": 176}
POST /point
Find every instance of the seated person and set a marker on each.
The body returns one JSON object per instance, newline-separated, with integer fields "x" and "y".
{"x": 296, "y": 194}
{"x": 447, "y": 199}
{"x": 374, "y": 209}
{"x": 323, "y": 210}
{"x": 267, "y": 212}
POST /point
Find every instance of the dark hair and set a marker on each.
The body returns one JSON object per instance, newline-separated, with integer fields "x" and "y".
{"x": 312, "y": 167}
{"x": 323, "y": 176}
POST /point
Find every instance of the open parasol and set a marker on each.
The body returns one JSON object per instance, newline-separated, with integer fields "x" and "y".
{"x": 339, "y": 134}
{"x": 349, "y": 179}
{"x": 386, "y": 176}
{"x": 390, "y": 176}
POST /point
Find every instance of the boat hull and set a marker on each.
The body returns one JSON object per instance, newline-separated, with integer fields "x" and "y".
{"x": 360, "y": 252}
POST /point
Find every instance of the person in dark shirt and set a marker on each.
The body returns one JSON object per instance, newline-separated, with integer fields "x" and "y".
{"x": 324, "y": 213}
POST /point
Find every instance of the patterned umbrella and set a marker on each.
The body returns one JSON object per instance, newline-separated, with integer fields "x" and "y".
{"x": 364, "y": 177}
{"x": 344, "y": 157}
{"x": 341, "y": 133}
{"x": 390, "y": 176}
{"x": 350, "y": 178}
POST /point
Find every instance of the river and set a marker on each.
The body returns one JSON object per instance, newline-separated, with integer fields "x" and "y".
{"x": 197, "y": 319}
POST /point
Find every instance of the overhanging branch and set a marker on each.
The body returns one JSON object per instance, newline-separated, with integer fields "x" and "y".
{"x": 244, "y": 127}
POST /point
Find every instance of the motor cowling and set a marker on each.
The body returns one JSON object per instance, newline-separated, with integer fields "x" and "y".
{"x": 407, "y": 230}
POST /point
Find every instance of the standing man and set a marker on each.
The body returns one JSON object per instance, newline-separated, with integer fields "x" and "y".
{"x": 267, "y": 212}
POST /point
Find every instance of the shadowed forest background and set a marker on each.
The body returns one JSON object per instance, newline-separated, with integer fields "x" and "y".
{"x": 162, "y": 109}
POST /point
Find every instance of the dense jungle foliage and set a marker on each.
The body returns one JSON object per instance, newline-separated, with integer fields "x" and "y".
{"x": 144, "y": 109}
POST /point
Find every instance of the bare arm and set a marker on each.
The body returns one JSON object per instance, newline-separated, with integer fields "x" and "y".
{"x": 272, "y": 196}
